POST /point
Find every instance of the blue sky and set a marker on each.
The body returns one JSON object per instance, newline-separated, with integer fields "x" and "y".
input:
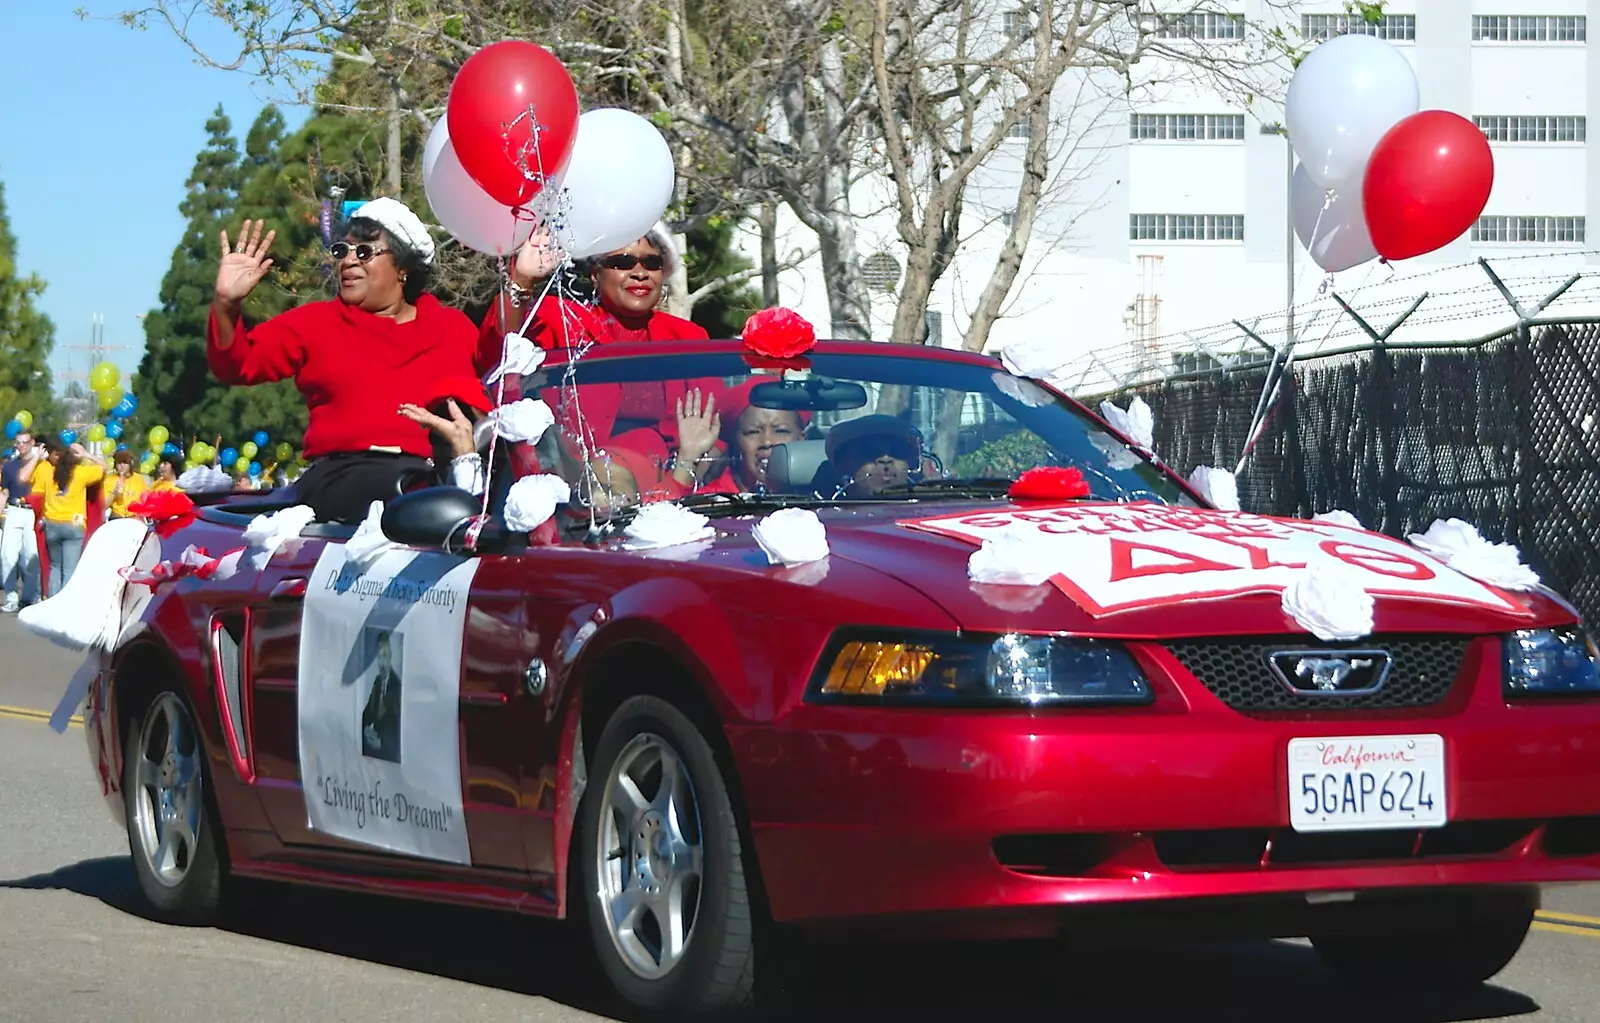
{"x": 99, "y": 126}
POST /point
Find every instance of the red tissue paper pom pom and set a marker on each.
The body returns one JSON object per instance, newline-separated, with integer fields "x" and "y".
{"x": 161, "y": 505}
{"x": 779, "y": 333}
{"x": 1049, "y": 484}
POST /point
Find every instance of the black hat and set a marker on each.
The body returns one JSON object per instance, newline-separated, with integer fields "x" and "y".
{"x": 887, "y": 433}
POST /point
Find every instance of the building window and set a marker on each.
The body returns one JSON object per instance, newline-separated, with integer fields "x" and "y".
{"x": 1200, "y": 25}
{"x": 1008, "y": 218}
{"x": 1515, "y": 230}
{"x": 1020, "y": 129}
{"x": 1504, "y": 128}
{"x": 1187, "y": 127}
{"x": 1186, "y": 227}
{"x": 1529, "y": 28}
{"x": 1396, "y": 27}
{"x": 1016, "y": 24}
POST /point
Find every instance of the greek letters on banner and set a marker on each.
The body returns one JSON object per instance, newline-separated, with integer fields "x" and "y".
{"x": 1128, "y": 556}
{"x": 380, "y": 679}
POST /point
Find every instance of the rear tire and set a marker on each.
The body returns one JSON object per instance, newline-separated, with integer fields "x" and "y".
{"x": 172, "y": 832}
{"x": 1460, "y": 954}
{"x": 661, "y": 866}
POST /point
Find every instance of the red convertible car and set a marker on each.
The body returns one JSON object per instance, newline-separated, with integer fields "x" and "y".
{"x": 696, "y": 747}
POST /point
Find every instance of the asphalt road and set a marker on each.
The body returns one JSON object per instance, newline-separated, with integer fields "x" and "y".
{"x": 74, "y": 945}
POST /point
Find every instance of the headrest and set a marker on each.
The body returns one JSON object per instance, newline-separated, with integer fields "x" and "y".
{"x": 792, "y": 466}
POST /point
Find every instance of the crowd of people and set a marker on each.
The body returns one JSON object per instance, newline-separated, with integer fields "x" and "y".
{"x": 53, "y": 495}
{"x": 394, "y": 382}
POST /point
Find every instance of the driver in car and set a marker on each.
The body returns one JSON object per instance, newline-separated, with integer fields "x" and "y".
{"x": 871, "y": 453}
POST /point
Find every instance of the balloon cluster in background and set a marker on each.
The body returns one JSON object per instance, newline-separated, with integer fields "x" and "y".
{"x": 1377, "y": 175}
{"x": 512, "y": 153}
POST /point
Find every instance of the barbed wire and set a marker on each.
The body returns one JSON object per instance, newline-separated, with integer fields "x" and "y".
{"x": 1444, "y": 304}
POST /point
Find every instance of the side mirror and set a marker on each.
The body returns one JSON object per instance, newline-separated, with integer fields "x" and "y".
{"x": 437, "y": 517}
{"x": 433, "y": 517}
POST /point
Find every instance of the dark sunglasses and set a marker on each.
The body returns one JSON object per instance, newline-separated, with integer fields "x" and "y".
{"x": 364, "y": 252}
{"x": 652, "y": 262}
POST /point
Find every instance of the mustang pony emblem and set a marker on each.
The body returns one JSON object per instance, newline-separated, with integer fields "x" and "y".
{"x": 1337, "y": 674}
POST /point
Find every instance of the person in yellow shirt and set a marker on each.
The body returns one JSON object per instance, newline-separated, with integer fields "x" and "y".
{"x": 64, "y": 483}
{"x": 166, "y": 474}
{"x": 124, "y": 487}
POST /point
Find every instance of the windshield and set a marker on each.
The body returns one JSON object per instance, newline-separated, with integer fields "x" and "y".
{"x": 850, "y": 428}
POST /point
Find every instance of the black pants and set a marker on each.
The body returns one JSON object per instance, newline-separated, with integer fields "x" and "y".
{"x": 341, "y": 487}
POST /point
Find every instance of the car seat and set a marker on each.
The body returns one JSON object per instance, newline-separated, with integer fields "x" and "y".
{"x": 792, "y": 466}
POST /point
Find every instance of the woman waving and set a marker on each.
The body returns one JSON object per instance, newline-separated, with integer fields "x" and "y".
{"x": 380, "y": 344}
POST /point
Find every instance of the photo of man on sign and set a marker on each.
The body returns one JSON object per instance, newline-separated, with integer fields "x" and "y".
{"x": 380, "y": 720}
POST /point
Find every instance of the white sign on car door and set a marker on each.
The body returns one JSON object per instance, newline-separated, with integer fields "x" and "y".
{"x": 379, "y": 681}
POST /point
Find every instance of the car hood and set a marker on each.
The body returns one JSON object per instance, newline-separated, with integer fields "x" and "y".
{"x": 898, "y": 541}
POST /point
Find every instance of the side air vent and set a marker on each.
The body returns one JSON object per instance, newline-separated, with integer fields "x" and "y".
{"x": 227, "y": 642}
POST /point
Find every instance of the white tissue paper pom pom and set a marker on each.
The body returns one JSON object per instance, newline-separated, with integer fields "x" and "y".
{"x": 1012, "y": 557}
{"x": 1460, "y": 545}
{"x": 1137, "y": 422}
{"x": 792, "y": 536}
{"x": 369, "y": 543}
{"x": 524, "y": 420}
{"x": 1339, "y": 517}
{"x": 203, "y": 479}
{"x": 533, "y": 499}
{"x": 664, "y": 524}
{"x": 1328, "y": 600}
{"x": 1217, "y": 486}
{"x": 270, "y": 531}
{"x": 521, "y": 356}
{"x": 1037, "y": 359}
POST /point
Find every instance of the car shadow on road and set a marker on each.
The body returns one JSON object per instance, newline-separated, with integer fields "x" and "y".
{"x": 1256, "y": 982}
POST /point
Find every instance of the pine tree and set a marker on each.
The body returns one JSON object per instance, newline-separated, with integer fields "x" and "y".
{"x": 26, "y": 336}
{"x": 173, "y": 376}
{"x": 712, "y": 256}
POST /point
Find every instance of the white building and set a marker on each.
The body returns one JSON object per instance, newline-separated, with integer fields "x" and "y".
{"x": 1173, "y": 223}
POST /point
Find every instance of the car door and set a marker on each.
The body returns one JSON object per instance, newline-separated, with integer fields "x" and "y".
{"x": 492, "y": 715}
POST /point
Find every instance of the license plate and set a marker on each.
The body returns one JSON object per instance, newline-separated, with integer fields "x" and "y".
{"x": 1366, "y": 782}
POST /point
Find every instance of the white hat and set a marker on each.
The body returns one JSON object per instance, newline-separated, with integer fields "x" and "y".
{"x": 403, "y": 226}
{"x": 661, "y": 237}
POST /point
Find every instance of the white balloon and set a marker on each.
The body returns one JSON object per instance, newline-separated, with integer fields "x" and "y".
{"x": 617, "y": 183}
{"x": 1333, "y": 228}
{"x": 1342, "y": 98}
{"x": 461, "y": 205}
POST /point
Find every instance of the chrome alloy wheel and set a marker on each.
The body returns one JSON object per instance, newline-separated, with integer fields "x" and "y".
{"x": 650, "y": 856}
{"x": 167, "y": 802}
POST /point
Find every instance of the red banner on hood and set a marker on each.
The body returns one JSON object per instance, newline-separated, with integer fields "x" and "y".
{"x": 1122, "y": 557}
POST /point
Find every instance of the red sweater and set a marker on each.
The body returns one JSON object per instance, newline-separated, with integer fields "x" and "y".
{"x": 563, "y": 323}
{"x": 356, "y": 368}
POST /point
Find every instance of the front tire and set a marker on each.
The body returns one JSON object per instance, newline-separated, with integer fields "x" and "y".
{"x": 662, "y": 867}
{"x": 1447, "y": 956}
{"x": 172, "y": 834}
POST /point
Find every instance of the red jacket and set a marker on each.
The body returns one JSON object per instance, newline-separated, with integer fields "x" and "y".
{"x": 356, "y": 368}
{"x": 563, "y": 323}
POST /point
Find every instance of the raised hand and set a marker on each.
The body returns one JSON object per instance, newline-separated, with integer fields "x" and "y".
{"x": 699, "y": 425}
{"x": 243, "y": 268}
{"x": 538, "y": 258}
{"x": 456, "y": 431}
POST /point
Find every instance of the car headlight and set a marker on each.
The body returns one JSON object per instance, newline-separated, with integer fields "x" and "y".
{"x": 1551, "y": 662}
{"x": 1012, "y": 669}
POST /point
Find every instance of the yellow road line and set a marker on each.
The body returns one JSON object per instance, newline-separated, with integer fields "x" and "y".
{"x": 41, "y": 716}
{"x": 1575, "y": 918}
{"x": 1582, "y": 932}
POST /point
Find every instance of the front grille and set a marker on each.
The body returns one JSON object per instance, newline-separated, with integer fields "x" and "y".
{"x": 1421, "y": 672}
{"x": 1251, "y": 847}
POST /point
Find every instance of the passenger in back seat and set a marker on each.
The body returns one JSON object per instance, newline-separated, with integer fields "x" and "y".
{"x": 868, "y": 454}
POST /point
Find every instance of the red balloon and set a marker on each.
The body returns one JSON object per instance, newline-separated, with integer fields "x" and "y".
{"x": 1428, "y": 180}
{"x": 492, "y": 128}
